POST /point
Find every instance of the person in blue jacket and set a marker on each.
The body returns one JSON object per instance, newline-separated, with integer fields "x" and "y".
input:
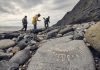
{"x": 46, "y": 22}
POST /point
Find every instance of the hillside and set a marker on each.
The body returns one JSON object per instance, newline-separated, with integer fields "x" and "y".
{"x": 84, "y": 11}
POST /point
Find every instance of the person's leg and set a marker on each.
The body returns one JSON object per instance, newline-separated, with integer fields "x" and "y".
{"x": 34, "y": 26}
{"x": 45, "y": 25}
{"x": 25, "y": 27}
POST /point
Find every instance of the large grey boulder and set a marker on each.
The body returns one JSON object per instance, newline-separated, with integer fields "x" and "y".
{"x": 22, "y": 44}
{"x": 92, "y": 36}
{"x": 5, "y": 65}
{"x": 65, "y": 30}
{"x": 6, "y": 43}
{"x": 52, "y": 33}
{"x": 21, "y": 57}
{"x": 4, "y": 55}
{"x": 58, "y": 40}
{"x": 20, "y": 37}
{"x": 62, "y": 54}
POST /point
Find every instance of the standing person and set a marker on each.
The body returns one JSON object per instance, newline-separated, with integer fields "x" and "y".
{"x": 34, "y": 20}
{"x": 24, "y": 21}
{"x": 46, "y": 22}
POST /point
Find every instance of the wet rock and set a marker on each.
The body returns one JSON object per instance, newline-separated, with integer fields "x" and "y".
{"x": 65, "y": 30}
{"x": 33, "y": 48}
{"x": 22, "y": 44}
{"x": 93, "y": 36}
{"x": 86, "y": 25}
{"x": 1, "y": 50}
{"x": 1, "y": 36}
{"x": 10, "y": 35}
{"x": 62, "y": 54}
{"x": 52, "y": 33}
{"x": 15, "y": 39}
{"x": 6, "y": 43}
{"x": 57, "y": 40}
{"x": 15, "y": 50}
{"x": 20, "y": 37}
{"x": 32, "y": 42}
{"x": 36, "y": 38}
{"x": 5, "y": 65}
{"x": 78, "y": 34}
{"x": 36, "y": 31}
{"x": 69, "y": 33}
{"x": 4, "y": 55}
{"x": 48, "y": 30}
{"x": 21, "y": 57}
{"x": 59, "y": 35}
{"x": 41, "y": 37}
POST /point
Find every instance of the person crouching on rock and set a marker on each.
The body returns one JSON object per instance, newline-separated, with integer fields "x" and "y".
{"x": 46, "y": 22}
{"x": 34, "y": 20}
{"x": 24, "y": 21}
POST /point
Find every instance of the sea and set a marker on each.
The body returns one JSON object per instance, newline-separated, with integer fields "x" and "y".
{"x": 4, "y": 29}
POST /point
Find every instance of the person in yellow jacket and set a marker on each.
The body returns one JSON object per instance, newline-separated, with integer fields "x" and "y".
{"x": 35, "y": 19}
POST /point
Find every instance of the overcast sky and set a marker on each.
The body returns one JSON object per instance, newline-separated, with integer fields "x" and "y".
{"x": 12, "y": 11}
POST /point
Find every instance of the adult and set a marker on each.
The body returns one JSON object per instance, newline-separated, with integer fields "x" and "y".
{"x": 24, "y": 21}
{"x": 34, "y": 20}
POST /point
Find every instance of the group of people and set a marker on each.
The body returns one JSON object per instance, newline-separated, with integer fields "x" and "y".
{"x": 34, "y": 21}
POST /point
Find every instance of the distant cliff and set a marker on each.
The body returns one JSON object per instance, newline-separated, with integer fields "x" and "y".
{"x": 84, "y": 11}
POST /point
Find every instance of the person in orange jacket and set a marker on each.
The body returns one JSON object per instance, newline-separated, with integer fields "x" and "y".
{"x": 35, "y": 19}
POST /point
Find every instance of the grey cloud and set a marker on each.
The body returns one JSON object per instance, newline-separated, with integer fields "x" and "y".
{"x": 59, "y": 1}
{"x": 7, "y": 6}
{"x": 2, "y": 10}
{"x": 63, "y": 4}
{"x": 26, "y": 4}
{"x": 59, "y": 4}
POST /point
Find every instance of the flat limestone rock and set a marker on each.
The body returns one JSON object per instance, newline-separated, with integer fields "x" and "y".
{"x": 59, "y": 54}
{"x": 58, "y": 40}
{"x": 6, "y": 43}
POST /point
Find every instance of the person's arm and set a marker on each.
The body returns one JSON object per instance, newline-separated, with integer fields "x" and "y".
{"x": 37, "y": 19}
{"x": 49, "y": 20}
{"x": 43, "y": 18}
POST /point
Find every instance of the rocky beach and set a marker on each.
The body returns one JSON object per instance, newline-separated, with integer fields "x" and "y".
{"x": 70, "y": 47}
{"x": 71, "y": 44}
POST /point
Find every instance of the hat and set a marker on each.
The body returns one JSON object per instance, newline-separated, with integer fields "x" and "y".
{"x": 39, "y": 15}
